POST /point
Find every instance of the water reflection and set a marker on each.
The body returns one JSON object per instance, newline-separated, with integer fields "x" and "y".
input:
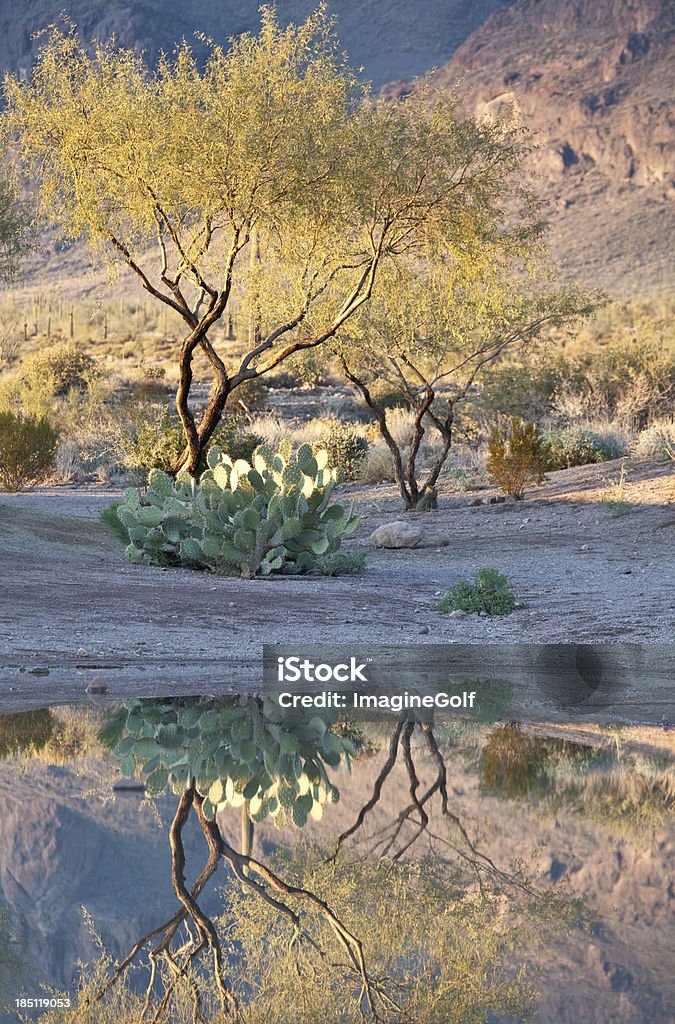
{"x": 280, "y": 869}
{"x": 627, "y": 792}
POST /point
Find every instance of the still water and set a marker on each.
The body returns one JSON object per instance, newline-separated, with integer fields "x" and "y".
{"x": 239, "y": 860}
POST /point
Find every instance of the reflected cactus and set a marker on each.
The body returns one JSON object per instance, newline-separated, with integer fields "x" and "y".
{"x": 250, "y": 749}
{"x": 271, "y": 516}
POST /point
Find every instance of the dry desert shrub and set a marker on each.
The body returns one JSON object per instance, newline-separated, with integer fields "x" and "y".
{"x": 27, "y": 450}
{"x": 657, "y": 441}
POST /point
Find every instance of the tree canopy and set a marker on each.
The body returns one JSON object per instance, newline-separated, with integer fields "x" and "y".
{"x": 268, "y": 177}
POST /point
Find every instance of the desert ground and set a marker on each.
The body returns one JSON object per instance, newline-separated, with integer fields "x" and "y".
{"x": 588, "y": 564}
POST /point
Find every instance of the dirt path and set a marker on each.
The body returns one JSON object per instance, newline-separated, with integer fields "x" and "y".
{"x": 70, "y": 603}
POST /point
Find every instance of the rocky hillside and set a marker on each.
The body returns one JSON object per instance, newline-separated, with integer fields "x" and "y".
{"x": 389, "y": 38}
{"x": 595, "y": 81}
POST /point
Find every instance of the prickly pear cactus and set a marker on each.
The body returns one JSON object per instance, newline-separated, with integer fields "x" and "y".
{"x": 247, "y": 749}
{"x": 274, "y": 515}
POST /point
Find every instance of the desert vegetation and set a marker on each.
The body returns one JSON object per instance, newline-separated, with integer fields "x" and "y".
{"x": 306, "y": 928}
{"x": 317, "y": 893}
{"x": 339, "y": 280}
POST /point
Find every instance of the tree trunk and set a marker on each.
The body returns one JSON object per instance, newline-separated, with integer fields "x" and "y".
{"x": 246, "y": 833}
{"x": 197, "y": 437}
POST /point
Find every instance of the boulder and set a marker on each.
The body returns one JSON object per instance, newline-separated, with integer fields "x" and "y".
{"x": 396, "y": 535}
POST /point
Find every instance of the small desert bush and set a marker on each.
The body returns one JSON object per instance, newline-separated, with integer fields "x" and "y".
{"x": 656, "y": 442}
{"x": 249, "y": 397}
{"x": 27, "y": 450}
{"x": 59, "y": 368}
{"x": 156, "y": 443}
{"x": 341, "y": 563}
{"x": 517, "y": 456}
{"x": 74, "y": 736}
{"x": 25, "y": 732}
{"x": 490, "y": 593}
{"x": 234, "y": 438}
{"x": 347, "y": 448}
{"x": 576, "y": 446}
{"x": 378, "y": 467}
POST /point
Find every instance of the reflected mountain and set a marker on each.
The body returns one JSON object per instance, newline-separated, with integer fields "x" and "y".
{"x": 238, "y": 859}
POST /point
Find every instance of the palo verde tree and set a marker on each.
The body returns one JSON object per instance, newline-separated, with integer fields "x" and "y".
{"x": 443, "y": 313}
{"x": 266, "y": 179}
{"x": 14, "y": 230}
{"x": 432, "y": 340}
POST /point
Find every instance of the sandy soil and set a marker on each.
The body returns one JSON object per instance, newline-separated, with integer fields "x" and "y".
{"x": 72, "y": 609}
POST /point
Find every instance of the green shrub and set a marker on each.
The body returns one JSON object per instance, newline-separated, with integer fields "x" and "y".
{"x": 517, "y": 456}
{"x": 347, "y": 449}
{"x": 490, "y": 593}
{"x": 59, "y": 368}
{"x": 656, "y": 442}
{"x": 155, "y": 444}
{"x": 574, "y": 446}
{"x": 27, "y": 450}
{"x": 158, "y": 442}
{"x": 340, "y": 564}
{"x": 232, "y": 437}
{"x": 274, "y": 516}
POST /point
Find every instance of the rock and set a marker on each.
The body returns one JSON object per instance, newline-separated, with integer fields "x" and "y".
{"x": 423, "y": 629}
{"x": 396, "y": 535}
{"x": 458, "y": 614}
{"x": 475, "y": 502}
{"x": 38, "y": 671}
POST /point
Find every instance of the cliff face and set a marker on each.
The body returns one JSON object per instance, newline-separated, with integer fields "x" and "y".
{"x": 594, "y": 80}
{"x": 390, "y": 38}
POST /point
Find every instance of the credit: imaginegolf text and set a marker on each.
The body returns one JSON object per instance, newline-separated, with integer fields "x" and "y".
{"x": 377, "y": 701}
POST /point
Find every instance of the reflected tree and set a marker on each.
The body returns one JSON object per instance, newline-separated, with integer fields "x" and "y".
{"x": 414, "y": 744}
{"x": 281, "y": 941}
{"x": 245, "y": 752}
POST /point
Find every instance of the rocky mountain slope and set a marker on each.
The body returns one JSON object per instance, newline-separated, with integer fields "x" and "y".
{"x": 389, "y": 38}
{"x": 595, "y": 81}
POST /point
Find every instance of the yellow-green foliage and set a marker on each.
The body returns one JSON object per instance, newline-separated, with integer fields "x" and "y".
{"x": 27, "y": 450}
{"x": 262, "y": 179}
{"x": 58, "y": 368}
{"x": 437, "y": 949}
{"x": 618, "y": 367}
{"x": 25, "y": 732}
{"x": 517, "y": 456}
{"x": 450, "y": 972}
